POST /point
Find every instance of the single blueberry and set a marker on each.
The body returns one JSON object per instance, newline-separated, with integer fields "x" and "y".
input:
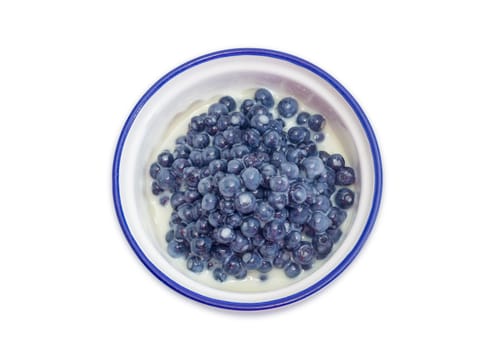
{"x": 166, "y": 179}
{"x": 335, "y": 161}
{"x": 238, "y": 119}
{"x": 200, "y": 140}
{"x": 217, "y": 109}
{"x": 181, "y": 151}
{"x": 269, "y": 250}
{"x": 191, "y": 196}
{"x": 240, "y": 244}
{"x": 337, "y": 216}
{"x": 313, "y": 167}
{"x": 316, "y": 122}
{"x": 154, "y": 169}
{"x": 226, "y": 154}
{"x": 300, "y": 214}
{"x": 250, "y": 227}
{"x": 264, "y": 97}
{"x": 229, "y": 186}
{"x": 274, "y": 231}
{"x": 232, "y": 135}
{"x": 224, "y": 235}
{"x": 324, "y": 155}
{"x": 292, "y": 240}
{"x": 234, "y": 166}
{"x": 220, "y": 141}
{"x": 302, "y": 118}
{"x": 219, "y": 274}
{"x": 278, "y": 158}
{"x": 165, "y": 159}
{"x": 216, "y": 219}
{"x": 156, "y": 189}
{"x": 226, "y": 206}
{"x": 252, "y": 260}
{"x": 209, "y": 202}
{"x": 197, "y": 124}
{"x": 264, "y": 212}
{"x": 304, "y": 254}
{"x": 233, "y": 220}
{"x": 201, "y": 246}
{"x": 233, "y": 266}
{"x": 298, "y": 134}
{"x": 258, "y": 240}
{"x": 272, "y": 140}
{"x": 202, "y": 226}
{"x": 260, "y": 122}
{"x": 177, "y": 199}
{"x": 245, "y": 202}
{"x": 292, "y": 270}
{"x": 223, "y": 122}
{"x": 282, "y": 259}
{"x": 255, "y": 159}
{"x": 191, "y": 176}
{"x": 310, "y": 148}
{"x": 287, "y": 107}
{"x": 322, "y": 244}
{"x": 251, "y": 137}
{"x": 296, "y": 155}
{"x": 268, "y": 171}
{"x": 344, "y": 198}
{"x": 277, "y": 124}
{"x": 265, "y": 267}
{"x": 251, "y": 178}
{"x": 169, "y": 236}
{"x": 229, "y": 102}
{"x": 319, "y": 221}
{"x": 321, "y": 203}
{"x": 279, "y": 183}
{"x": 196, "y": 158}
{"x": 282, "y": 215}
{"x": 278, "y": 200}
{"x": 205, "y": 185}
{"x": 298, "y": 193}
{"x": 257, "y": 110}
{"x": 217, "y": 165}
{"x": 209, "y": 154}
{"x": 334, "y": 234}
{"x": 246, "y": 105}
{"x": 177, "y": 249}
{"x": 221, "y": 252}
{"x": 239, "y": 151}
{"x": 345, "y": 176}
{"x": 289, "y": 169}
{"x": 319, "y": 137}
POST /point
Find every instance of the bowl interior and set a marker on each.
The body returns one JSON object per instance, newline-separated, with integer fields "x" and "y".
{"x": 176, "y": 99}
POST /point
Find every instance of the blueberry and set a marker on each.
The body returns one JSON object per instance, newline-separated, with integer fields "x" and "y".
{"x": 255, "y": 159}
{"x": 269, "y": 250}
{"x": 209, "y": 202}
{"x": 313, "y": 167}
{"x": 229, "y": 185}
{"x": 281, "y": 215}
{"x": 233, "y": 266}
{"x": 239, "y": 151}
{"x": 272, "y": 139}
{"x": 224, "y": 235}
{"x": 292, "y": 270}
{"x": 252, "y": 260}
{"x": 181, "y": 151}
{"x": 310, "y": 148}
{"x": 216, "y": 219}
{"x": 258, "y": 240}
{"x": 240, "y": 244}
{"x": 278, "y": 200}
{"x": 302, "y": 118}
{"x": 209, "y": 154}
{"x": 322, "y": 244}
{"x": 177, "y": 199}
{"x": 169, "y": 236}
{"x": 278, "y": 158}
{"x": 205, "y": 185}
{"x": 217, "y": 109}
{"x": 323, "y": 155}
{"x": 277, "y": 124}
{"x": 232, "y": 135}
{"x": 344, "y": 198}
{"x": 257, "y": 110}
{"x": 260, "y": 122}
{"x": 154, "y": 169}
{"x": 319, "y": 137}
{"x": 220, "y": 141}
{"x": 234, "y": 166}
{"x": 265, "y": 267}
{"x": 156, "y": 189}
{"x": 233, "y": 220}
{"x": 264, "y": 212}
{"x": 252, "y": 138}
{"x": 219, "y": 274}
{"x": 221, "y": 252}
{"x": 267, "y": 170}
{"x": 166, "y": 179}
{"x": 196, "y": 158}
{"x": 321, "y": 188}
{"x": 225, "y": 154}
{"x": 229, "y": 102}
{"x": 238, "y": 119}
{"x": 304, "y": 254}
{"x": 335, "y": 161}
{"x": 250, "y": 227}
{"x": 274, "y": 231}
{"x": 282, "y": 259}
{"x": 197, "y": 124}
{"x": 165, "y": 159}
{"x": 191, "y": 196}
{"x": 345, "y": 176}
{"x": 177, "y": 248}
{"x": 321, "y": 203}
{"x": 289, "y": 169}
{"x": 264, "y": 97}
{"x": 298, "y": 193}
{"x": 287, "y": 107}
{"x": 337, "y": 216}
{"x": 217, "y": 165}
{"x": 316, "y": 122}
{"x": 202, "y": 226}
{"x": 292, "y": 240}
{"x": 200, "y": 140}
{"x": 226, "y": 206}
{"x": 245, "y": 202}
{"x": 298, "y": 134}
{"x": 296, "y": 155}
{"x": 191, "y": 176}
{"x": 300, "y": 214}
{"x": 251, "y": 178}
{"x": 319, "y": 221}
{"x": 246, "y": 105}
{"x": 223, "y": 122}
{"x": 334, "y": 234}
{"x": 201, "y": 246}
{"x": 279, "y": 183}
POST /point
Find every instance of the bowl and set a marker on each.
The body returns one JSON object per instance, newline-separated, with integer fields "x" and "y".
{"x": 189, "y": 89}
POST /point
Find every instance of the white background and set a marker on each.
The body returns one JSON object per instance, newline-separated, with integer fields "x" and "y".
{"x": 427, "y": 76}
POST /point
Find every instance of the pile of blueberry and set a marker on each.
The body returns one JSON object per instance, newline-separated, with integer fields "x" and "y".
{"x": 249, "y": 194}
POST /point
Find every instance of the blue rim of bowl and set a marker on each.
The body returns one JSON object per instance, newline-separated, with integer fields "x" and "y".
{"x": 377, "y": 195}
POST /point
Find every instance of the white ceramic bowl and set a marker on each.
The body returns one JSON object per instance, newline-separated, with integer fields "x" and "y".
{"x": 219, "y": 74}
